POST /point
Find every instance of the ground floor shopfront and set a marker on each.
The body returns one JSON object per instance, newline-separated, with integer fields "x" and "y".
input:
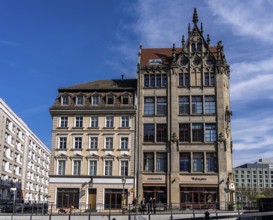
{"x": 190, "y": 192}
{"x": 100, "y": 194}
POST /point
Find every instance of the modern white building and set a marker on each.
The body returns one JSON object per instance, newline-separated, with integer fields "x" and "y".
{"x": 24, "y": 158}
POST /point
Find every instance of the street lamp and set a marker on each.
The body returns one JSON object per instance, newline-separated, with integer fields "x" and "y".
{"x": 123, "y": 180}
{"x": 13, "y": 189}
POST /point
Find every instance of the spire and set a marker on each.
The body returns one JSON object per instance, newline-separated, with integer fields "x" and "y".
{"x": 195, "y": 17}
{"x": 208, "y": 39}
{"x": 183, "y": 41}
{"x": 174, "y": 50}
{"x": 189, "y": 29}
{"x": 201, "y": 28}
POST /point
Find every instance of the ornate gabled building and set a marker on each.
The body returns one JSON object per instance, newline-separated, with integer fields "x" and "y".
{"x": 93, "y": 145}
{"x": 184, "y": 144}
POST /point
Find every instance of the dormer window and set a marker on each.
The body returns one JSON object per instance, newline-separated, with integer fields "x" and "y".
{"x": 64, "y": 100}
{"x": 95, "y": 100}
{"x": 125, "y": 100}
{"x": 110, "y": 100}
{"x": 79, "y": 100}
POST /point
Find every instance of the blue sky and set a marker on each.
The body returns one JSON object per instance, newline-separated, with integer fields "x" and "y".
{"x": 46, "y": 44}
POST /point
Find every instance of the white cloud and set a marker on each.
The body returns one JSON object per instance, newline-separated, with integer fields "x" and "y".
{"x": 248, "y": 19}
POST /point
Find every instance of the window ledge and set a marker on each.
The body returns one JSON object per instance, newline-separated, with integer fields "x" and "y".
{"x": 108, "y": 127}
{"x": 93, "y": 127}
{"x": 66, "y": 128}
{"x": 76, "y": 149}
{"x": 104, "y": 149}
{"x": 92, "y": 149}
{"x": 61, "y": 149}
{"x": 124, "y": 127}
{"x": 123, "y": 149}
{"x": 79, "y": 128}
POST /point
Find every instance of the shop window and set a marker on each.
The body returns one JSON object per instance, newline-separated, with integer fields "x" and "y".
{"x": 66, "y": 197}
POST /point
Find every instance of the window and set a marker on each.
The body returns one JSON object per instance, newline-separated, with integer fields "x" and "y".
{"x": 108, "y": 167}
{"x": 184, "y": 105}
{"x": 95, "y": 100}
{"x": 197, "y": 105}
{"x": 197, "y": 132}
{"x": 124, "y": 167}
{"x": 161, "y": 132}
{"x": 149, "y": 162}
{"x": 110, "y": 100}
{"x": 78, "y": 122}
{"x": 161, "y": 162}
{"x": 185, "y": 164}
{"x": 209, "y": 79}
{"x": 211, "y": 162}
{"x": 124, "y": 142}
{"x": 93, "y": 143}
{"x": 92, "y": 167}
{"x": 64, "y": 100}
{"x": 62, "y": 142}
{"x": 94, "y": 122}
{"x": 149, "y": 105}
{"x": 161, "y": 105}
{"x": 76, "y": 167}
{"x": 155, "y": 80}
{"x": 149, "y": 133}
{"x": 210, "y": 133}
{"x": 67, "y": 196}
{"x": 79, "y": 100}
{"x": 61, "y": 167}
{"x": 210, "y": 105}
{"x": 184, "y": 79}
{"x": 64, "y": 122}
{"x": 125, "y": 100}
{"x": 109, "y": 121}
{"x": 77, "y": 143}
{"x": 184, "y": 132}
{"x": 198, "y": 162}
{"x": 125, "y": 121}
{"x": 108, "y": 143}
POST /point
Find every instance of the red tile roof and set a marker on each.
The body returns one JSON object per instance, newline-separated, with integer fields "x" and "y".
{"x": 165, "y": 54}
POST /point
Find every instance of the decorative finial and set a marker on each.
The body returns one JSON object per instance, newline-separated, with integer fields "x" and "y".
{"x": 201, "y": 28}
{"x": 189, "y": 29}
{"x": 195, "y": 17}
{"x": 183, "y": 41}
{"x": 208, "y": 39}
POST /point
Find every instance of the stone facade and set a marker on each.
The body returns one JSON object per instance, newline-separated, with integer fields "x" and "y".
{"x": 184, "y": 142}
{"x": 93, "y": 145}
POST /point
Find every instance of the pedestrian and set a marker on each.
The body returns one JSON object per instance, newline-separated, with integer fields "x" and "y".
{"x": 150, "y": 205}
{"x": 134, "y": 203}
{"x": 154, "y": 205}
{"x": 142, "y": 206}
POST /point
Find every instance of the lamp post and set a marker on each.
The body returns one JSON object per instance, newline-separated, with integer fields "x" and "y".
{"x": 123, "y": 180}
{"x": 13, "y": 189}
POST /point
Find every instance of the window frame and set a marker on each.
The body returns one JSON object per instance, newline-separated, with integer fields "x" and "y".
{"x": 94, "y": 121}
{"x": 95, "y": 100}
{"x": 79, "y": 100}
{"x": 63, "y": 122}
{"x": 149, "y": 105}
{"x": 61, "y": 171}
{"x": 108, "y": 168}
{"x": 62, "y": 142}
{"x": 184, "y": 105}
{"x": 77, "y": 171}
{"x": 122, "y": 142}
{"x": 77, "y": 143}
{"x": 109, "y": 141}
{"x": 124, "y": 170}
{"x": 94, "y": 169}
{"x": 92, "y": 142}
{"x": 109, "y": 121}
{"x": 64, "y": 100}
{"x": 125, "y": 121}
{"x": 78, "y": 121}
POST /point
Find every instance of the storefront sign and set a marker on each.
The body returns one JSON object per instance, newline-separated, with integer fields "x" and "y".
{"x": 154, "y": 179}
{"x": 198, "y": 179}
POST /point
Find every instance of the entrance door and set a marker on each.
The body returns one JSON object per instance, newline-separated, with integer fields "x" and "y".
{"x": 92, "y": 199}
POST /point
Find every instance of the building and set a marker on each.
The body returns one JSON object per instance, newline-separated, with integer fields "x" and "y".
{"x": 93, "y": 145}
{"x": 184, "y": 143}
{"x": 24, "y": 158}
{"x": 253, "y": 178}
